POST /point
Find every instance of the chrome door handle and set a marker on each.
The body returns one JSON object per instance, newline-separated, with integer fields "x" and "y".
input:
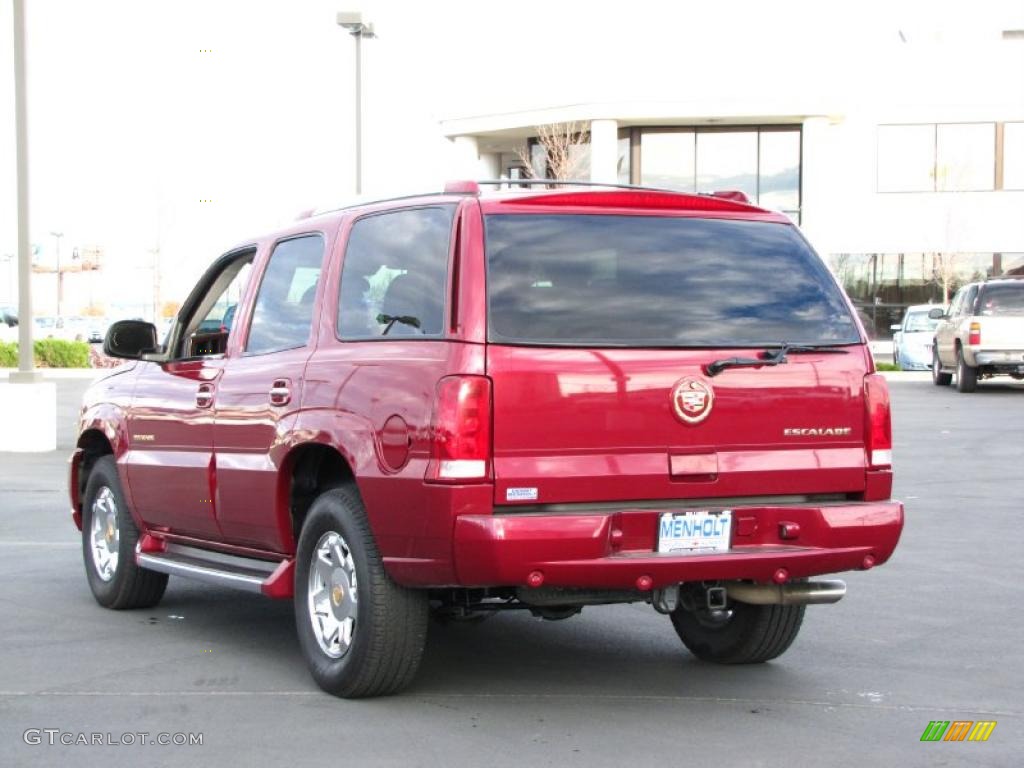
{"x": 280, "y": 393}
{"x": 204, "y": 397}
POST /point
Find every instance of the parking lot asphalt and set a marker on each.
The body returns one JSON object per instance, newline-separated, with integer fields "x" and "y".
{"x": 936, "y": 634}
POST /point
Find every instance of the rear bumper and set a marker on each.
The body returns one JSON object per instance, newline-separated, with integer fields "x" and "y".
{"x": 612, "y": 550}
{"x": 1010, "y": 359}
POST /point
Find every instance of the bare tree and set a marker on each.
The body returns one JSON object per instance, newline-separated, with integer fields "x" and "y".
{"x": 562, "y": 144}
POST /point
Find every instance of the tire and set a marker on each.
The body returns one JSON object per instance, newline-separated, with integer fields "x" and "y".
{"x": 751, "y": 634}
{"x": 109, "y": 537}
{"x": 966, "y": 376}
{"x": 939, "y": 379}
{"x": 385, "y": 624}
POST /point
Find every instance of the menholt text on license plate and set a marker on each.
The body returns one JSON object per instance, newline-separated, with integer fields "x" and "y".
{"x": 694, "y": 532}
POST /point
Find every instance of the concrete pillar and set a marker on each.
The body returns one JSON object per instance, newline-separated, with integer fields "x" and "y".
{"x": 819, "y": 187}
{"x": 466, "y": 161}
{"x": 604, "y": 151}
{"x": 490, "y": 165}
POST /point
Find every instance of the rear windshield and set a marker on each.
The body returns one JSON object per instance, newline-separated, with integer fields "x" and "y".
{"x": 603, "y": 280}
{"x": 1002, "y": 300}
{"x": 919, "y": 322}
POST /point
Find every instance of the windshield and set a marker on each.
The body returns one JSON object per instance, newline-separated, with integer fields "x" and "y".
{"x": 604, "y": 280}
{"x": 918, "y": 322}
{"x": 1002, "y": 300}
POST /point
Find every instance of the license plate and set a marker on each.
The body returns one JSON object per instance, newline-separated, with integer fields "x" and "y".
{"x": 687, "y": 533}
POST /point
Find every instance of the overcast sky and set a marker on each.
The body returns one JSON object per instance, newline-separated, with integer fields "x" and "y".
{"x": 133, "y": 123}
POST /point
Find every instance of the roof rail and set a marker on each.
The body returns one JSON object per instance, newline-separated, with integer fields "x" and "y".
{"x": 726, "y": 194}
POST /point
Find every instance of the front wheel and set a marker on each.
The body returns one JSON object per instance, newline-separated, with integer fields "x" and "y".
{"x": 966, "y": 375}
{"x": 740, "y": 634}
{"x": 109, "y": 536}
{"x": 361, "y": 634}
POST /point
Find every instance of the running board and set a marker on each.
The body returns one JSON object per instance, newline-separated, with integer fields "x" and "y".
{"x": 265, "y": 577}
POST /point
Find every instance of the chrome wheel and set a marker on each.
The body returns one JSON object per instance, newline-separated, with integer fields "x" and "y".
{"x": 106, "y": 534}
{"x": 333, "y": 600}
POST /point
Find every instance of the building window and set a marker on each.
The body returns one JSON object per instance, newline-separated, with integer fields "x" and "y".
{"x": 883, "y": 285}
{"x": 1013, "y": 156}
{"x": 727, "y": 160}
{"x": 906, "y": 158}
{"x": 623, "y": 166}
{"x": 965, "y": 157}
{"x": 949, "y": 157}
{"x": 763, "y": 162}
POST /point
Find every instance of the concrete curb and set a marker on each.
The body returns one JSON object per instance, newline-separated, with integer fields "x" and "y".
{"x": 60, "y": 373}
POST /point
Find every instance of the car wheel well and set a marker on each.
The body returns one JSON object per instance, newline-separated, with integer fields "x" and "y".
{"x": 94, "y": 445}
{"x": 315, "y": 469}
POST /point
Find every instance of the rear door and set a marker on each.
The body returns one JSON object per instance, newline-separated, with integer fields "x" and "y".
{"x": 602, "y": 328}
{"x": 260, "y": 391}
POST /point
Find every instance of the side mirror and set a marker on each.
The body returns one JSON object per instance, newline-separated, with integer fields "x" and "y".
{"x": 895, "y": 327}
{"x": 936, "y": 314}
{"x": 130, "y": 339}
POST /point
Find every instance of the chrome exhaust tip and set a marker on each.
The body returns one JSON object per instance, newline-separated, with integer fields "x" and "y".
{"x": 795, "y": 593}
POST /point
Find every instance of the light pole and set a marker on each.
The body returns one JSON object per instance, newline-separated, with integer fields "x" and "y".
{"x": 26, "y": 364}
{"x": 353, "y": 22}
{"x": 60, "y": 283}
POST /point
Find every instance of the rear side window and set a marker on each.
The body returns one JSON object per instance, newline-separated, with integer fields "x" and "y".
{"x": 283, "y": 315}
{"x": 658, "y": 281}
{"x": 1002, "y": 300}
{"x": 395, "y": 273}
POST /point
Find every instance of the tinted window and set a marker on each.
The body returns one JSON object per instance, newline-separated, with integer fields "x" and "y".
{"x": 395, "y": 273}
{"x": 1002, "y": 300}
{"x": 283, "y": 315}
{"x": 658, "y": 281}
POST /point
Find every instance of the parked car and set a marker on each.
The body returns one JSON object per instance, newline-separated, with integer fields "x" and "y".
{"x": 616, "y": 396}
{"x": 9, "y": 316}
{"x": 912, "y": 339}
{"x": 980, "y": 334}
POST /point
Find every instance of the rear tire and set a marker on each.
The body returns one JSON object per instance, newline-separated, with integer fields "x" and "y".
{"x": 109, "y": 537}
{"x": 743, "y": 634}
{"x": 966, "y": 376}
{"x": 361, "y": 633}
{"x": 939, "y": 379}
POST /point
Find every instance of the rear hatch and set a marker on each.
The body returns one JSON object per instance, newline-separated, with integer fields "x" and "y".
{"x": 1000, "y": 315}
{"x": 602, "y": 328}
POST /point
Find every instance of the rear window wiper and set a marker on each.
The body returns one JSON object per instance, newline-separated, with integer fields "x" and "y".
{"x": 390, "y": 320}
{"x": 773, "y": 356}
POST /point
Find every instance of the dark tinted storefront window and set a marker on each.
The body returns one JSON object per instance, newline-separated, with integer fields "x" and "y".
{"x": 658, "y": 281}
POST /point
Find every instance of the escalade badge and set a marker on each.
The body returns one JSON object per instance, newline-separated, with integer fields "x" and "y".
{"x": 692, "y": 399}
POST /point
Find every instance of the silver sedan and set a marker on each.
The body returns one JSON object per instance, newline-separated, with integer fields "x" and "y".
{"x": 912, "y": 339}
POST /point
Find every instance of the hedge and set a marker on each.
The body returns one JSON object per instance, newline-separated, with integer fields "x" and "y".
{"x": 49, "y": 353}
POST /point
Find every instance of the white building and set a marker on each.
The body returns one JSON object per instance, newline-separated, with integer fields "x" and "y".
{"x": 899, "y": 149}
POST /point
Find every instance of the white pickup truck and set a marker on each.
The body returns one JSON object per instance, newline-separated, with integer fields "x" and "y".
{"x": 981, "y": 334}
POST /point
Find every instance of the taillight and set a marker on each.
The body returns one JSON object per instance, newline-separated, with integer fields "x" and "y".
{"x": 878, "y": 437}
{"x": 974, "y": 334}
{"x": 460, "y": 431}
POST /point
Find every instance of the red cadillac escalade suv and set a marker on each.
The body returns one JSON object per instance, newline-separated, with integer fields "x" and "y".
{"x": 465, "y": 402}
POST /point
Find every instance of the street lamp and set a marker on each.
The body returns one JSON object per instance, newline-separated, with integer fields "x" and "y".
{"x": 353, "y": 22}
{"x": 58, "y": 236}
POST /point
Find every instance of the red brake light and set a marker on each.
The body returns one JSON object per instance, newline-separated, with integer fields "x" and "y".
{"x": 974, "y": 334}
{"x": 460, "y": 431}
{"x": 878, "y": 442}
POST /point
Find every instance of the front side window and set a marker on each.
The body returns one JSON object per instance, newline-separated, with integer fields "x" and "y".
{"x": 606, "y": 280}
{"x": 395, "y": 274}
{"x": 205, "y": 332}
{"x": 283, "y": 315}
